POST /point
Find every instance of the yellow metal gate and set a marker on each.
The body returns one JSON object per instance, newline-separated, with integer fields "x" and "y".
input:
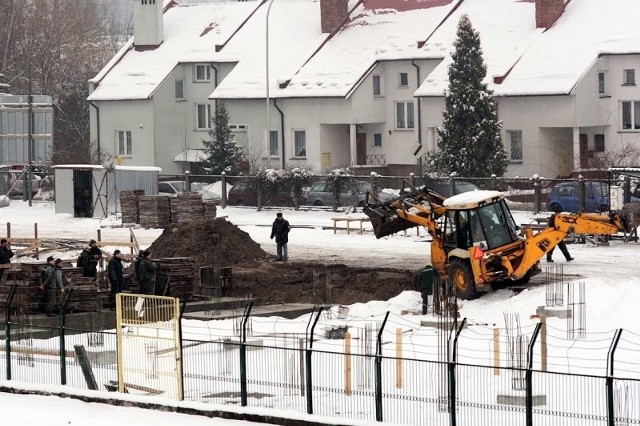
{"x": 149, "y": 349}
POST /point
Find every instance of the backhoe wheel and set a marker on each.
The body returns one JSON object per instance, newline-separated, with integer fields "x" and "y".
{"x": 461, "y": 277}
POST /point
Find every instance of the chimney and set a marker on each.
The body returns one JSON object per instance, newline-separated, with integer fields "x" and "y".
{"x": 332, "y": 13}
{"x": 147, "y": 23}
{"x": 548, "y": 12}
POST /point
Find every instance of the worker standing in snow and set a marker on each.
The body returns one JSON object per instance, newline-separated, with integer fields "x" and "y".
{"x": 147, "y": 274}
{"x": 95, "y": 254}
{"x": 56, "y": 280}
{"x": 115, "y": 271}
{"x": 280, "y": 230}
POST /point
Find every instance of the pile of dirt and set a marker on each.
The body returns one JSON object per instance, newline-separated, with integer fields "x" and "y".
{"x": 210, "y": 242}
{"x": 218, "y": 243}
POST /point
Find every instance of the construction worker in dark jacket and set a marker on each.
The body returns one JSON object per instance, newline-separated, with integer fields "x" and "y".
{"x": 84, "y": 261}
{"x": 55, "y": 281}
{"x": 115, "y": 272}
{"x": 95, "y": 254}
{"x": 280, "y": 230}
{"x": 5, "y": 255}
{"x": 147, "y": 274}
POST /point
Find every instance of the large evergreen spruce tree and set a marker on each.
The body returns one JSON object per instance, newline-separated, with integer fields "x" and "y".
{"x": 469, "y": 142}
{"x": 224, "y": 154}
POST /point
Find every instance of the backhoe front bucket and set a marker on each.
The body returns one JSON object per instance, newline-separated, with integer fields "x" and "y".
{"x": 385, "y": 221}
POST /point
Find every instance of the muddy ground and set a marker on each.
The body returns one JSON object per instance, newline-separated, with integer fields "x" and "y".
{"x": 219, "y": 243}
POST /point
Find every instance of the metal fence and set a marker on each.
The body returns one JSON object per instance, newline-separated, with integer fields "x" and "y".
{"x": 360, "y": 379}
{"x": 528, "y": 194}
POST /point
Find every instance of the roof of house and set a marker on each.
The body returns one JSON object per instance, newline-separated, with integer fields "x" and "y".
{"x": 537, "y": 62}
{"x": 191, "y": 33}
{"x": 376, "y": 30}
{"x": 304, "y": 62}
{"x": 294, "y": 34}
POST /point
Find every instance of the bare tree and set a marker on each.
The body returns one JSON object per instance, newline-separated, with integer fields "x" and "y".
{"x": 54, "y": 47}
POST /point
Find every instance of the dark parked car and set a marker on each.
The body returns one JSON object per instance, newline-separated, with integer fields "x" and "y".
{"x": 245, "y": 194}
{"x": 355, "y": 193}
{"x": 444, "y": 187}
{"x": 565, "y": 197}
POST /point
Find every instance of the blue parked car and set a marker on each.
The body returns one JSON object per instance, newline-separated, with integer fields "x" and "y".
{"x": 565, "y": 197}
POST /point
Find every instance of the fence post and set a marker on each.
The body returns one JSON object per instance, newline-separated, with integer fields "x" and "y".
{"x": 260, "y": 193}
{"x": 626, "y": 189}
{"x": 180, "y": 361}
{"x": 379, "y": 370}
{"x": 537, "y": 195}
{"x": 374, "y": 182}
{"x": 581, "y": 194}
{"x": 412, "y": 180}
{"x": 529, "y": 376}
{"x": 494, "y": 182}
{"x": 7, "y": 336}
{"x": 187, "y": 180}
{"x": 611, "y": 412}
{"x": 243, "y": 357}
{"x": 451, "y": 367}
{"x": 61, "y": 330}
{"x": 452, "y": 183}
{"x": 308, "y": 365}
{"x": 223, "y": 180}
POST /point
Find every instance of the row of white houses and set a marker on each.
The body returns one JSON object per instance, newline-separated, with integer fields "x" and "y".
{"x": 360, "y": 83}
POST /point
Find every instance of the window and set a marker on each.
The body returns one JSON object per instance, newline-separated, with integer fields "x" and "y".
{"x": 629, "y": 77}
{"x": 180, "y": 89}
{"x": 601, "y": 83}
{"x": 202, "y": 72}
{"x": 631, "y": 115}
{"x": 203, "y": 112}
{"x": 273, "y": 143}
{"x": 404, "y": 115}
{"x": 515, "y": 139}
{"x": 376, "y": 86}
{"x": 124, "y": 142}
{"x": 377, "y": 139}
{"x": 599, "y": 143}
{"x": 300, "y": 143}
{"x": 403, "y": 79}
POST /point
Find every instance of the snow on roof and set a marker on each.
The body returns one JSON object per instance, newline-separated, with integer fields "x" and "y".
{"x": 471, "y": 199}
{"x": 191, "y": 32}
{"x": 537, "y": 62}
{"x": 377, "y": 30}
{"x": 101, "y": 167}
{"x": 291, "y": 42}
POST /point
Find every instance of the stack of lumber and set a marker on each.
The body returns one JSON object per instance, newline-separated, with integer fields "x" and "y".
{"x": 210, "y": 210}
{"x": 85, "y": 295}
{"x": 155, "y": 211}
{"x": 179, "y": 273}
{"x": 186, "y": 207}
{"x": 130, "y": 205}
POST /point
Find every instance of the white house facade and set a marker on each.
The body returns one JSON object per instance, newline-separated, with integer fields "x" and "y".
{"x": 361, "y": 84}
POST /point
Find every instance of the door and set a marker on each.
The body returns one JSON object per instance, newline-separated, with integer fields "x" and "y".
{"x": 82, "y": 194}
{"x": 361, "y": 149}
{"x": 584, "y": 152}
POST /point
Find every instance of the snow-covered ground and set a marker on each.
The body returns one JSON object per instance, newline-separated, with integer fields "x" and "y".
{"x": 609, "y": 274}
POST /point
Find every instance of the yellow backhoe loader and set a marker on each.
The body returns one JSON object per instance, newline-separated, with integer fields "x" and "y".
{"x": 476, "y": 243}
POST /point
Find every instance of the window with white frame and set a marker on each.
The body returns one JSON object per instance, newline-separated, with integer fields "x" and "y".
{"x": 629, "y": 77}
{"x": 601, "y": 87}
{"x": 515, "y": 143}
{"x": 179, "y": 89}
{"x": 203, "y": 116}
{"x": 403, "y": 79}
{"x": 404, "y": 115}
{"x": 630, "y": 115}
{"x": 125, "y": 145}
{"x": 274, "y": 150}
{"x": 300, "y": 143}
{"x": 202, "y": 72}
{"x": 377, "y": 88}
{"x": 240, "y": 134}
{"x": 377, "y": 139}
